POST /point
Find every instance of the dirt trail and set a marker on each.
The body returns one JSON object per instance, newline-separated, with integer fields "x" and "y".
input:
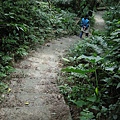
{"x": 99, "y": 21}
{"x": 34, "y": 93}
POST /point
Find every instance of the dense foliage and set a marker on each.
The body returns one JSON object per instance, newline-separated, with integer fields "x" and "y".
{"x": 26, "y": 23}
{"x": 93, "y": 73}
{"x": 80, "y": 7}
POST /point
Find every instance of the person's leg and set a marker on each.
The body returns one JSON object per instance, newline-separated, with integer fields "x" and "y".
{"x": 81, "y": 33}
{"x": 87, "y": 34}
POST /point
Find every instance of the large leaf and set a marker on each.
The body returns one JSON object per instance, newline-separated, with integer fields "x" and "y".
{"x": 79, "y": 103}
{"x": 86, "y": 115}
{"x": 96, "y": 59}
{"x": 75, "y": 70}
{"x": 118, "y": 86}
{"x": 92, "y": 98}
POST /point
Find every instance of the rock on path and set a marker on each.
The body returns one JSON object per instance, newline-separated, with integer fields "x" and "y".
{"x": 34, "y": 92}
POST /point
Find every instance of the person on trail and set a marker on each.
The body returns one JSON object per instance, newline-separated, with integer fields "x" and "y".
{"x": 84, "y": 26}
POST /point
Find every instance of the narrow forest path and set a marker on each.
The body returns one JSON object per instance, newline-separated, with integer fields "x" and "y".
{"x": 99, "y": 21}
{"x": 34, "y": 93}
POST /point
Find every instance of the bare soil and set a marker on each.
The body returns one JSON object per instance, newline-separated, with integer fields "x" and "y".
{"x": 33, "y": 91}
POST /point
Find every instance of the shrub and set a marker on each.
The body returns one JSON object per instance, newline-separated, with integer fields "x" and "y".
{"x": 93, "y": 71}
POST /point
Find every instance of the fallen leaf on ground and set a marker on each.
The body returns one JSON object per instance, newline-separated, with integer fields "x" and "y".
{"x": 26, "y": 103}
{"x": 9, "y": 90}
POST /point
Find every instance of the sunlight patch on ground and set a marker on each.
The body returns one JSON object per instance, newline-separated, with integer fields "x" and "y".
{"x": 99, "y": 20}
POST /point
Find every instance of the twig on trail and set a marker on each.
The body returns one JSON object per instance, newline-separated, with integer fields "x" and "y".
{"x": 77, "y": 20}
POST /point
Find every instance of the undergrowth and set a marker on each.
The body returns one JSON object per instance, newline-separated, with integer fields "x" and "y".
{"x": 92, "y": 73}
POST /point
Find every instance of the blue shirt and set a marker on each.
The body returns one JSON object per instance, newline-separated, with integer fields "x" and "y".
{"x": 85, "y": 22}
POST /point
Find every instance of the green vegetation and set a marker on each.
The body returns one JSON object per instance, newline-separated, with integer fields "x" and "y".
{"x": 25, "y": 24}
{"x": 93, "y": 73}
{"x": 80, "y": 7}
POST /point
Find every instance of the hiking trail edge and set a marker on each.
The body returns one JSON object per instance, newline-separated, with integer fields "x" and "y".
{"x": 34, "y": 93}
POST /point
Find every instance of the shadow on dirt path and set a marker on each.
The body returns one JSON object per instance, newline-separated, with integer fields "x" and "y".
{"x": 34, "y": 92}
